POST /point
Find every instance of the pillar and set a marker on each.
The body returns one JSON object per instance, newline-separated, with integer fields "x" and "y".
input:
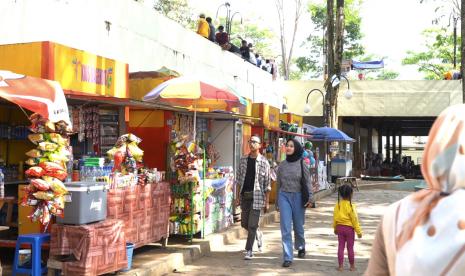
{"x": 357, "y": 154}
{"x": 388, "y": 146}
{"x": 370, "y": 140}
{"x": 394, "y": 149}
{"x": 380, "y": 141}
{"x": 400, "y": 148}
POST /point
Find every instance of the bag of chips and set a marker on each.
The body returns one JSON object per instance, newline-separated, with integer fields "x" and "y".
{"x": 56, "y": 185}
{"x": 61, "y": 175}
{"x": 51, "y": 167}
{"x": 49, "y": 126}
{"x": 48, "y": 146}
{"x": 44, "y": 195}
{"x": 36, "y": 138}
{"x": 40, "y": 184}
{"x": 34, "y": 153}
{"x": 32, "y": 161}
{"x": 56, "y": 138}
{"x": 35, "y": 172}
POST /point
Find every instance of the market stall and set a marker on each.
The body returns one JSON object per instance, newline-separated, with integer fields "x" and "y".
{"x": 339, "y": 149}
{"x": 202, "y": 177}
{"x": 69, "y": 180}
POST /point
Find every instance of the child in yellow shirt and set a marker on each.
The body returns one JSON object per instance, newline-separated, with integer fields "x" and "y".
{"x": 345, "y": 225}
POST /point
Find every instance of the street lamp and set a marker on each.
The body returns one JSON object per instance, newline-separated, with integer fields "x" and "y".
{"x": 229, "y": 16}
{"x": 307, "y": 108}
{"x": 335, "y": 81}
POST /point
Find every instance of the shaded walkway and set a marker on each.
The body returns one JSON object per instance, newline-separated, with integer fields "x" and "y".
{"x": 321, "y": 243}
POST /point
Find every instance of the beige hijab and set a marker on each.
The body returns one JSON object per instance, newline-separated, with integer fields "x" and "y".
{"x": 443, "y": 166}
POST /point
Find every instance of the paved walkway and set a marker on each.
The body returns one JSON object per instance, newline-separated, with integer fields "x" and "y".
{"x": 321, "y": 243}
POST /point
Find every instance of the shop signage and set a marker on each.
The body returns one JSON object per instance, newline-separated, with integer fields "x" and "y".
{"x": 92, "y": 74}
{"x": 84, "y": 72}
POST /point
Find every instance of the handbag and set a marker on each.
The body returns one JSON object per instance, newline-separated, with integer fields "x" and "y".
{"x": 304, "y": 187}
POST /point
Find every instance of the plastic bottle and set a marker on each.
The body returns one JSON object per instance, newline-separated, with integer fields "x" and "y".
{"x": 2, "y": 184}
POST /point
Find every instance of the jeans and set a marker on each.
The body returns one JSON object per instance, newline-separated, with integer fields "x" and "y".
{"x": 250, "y": 219}
{"x": 291, "y": 213}
{"x": 345, "y": 234}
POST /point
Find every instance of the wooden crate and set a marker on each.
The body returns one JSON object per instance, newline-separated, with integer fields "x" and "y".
{"x": 99, "y": 248}
{"x": 145, "y": 210}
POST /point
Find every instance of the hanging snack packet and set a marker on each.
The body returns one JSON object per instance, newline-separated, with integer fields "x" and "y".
{"x": 32, "y": 161}
{"x": 51, "y": 167}
{"x": 35, "y": 172}
{"x": 36, "y": 138}
{"x": 56, "y": 138}
{"x": 40, "y": 184}
{"x": 44, "y": 195}
{"x": 49, "y": 126}
{"x": 56, "y": 185}
{"x": 48, "y": 146}
{"x": 34, "y": 153}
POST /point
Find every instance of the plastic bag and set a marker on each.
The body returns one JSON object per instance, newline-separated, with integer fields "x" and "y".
{"x": 40, "y": 184}
{"x": 51, "y": 167}
{"x": 34, "y": 153}
{"x": 48, "y": 146}
{"x": 56, "y": 185}
{"x": 35, "y": 172}
{"x": 44, "y": 195}
{"x": 56, "y": 138}
{"x": 36, "y": 138}
{"x": 49, "y": 126}
{"x": 32, "y": 161}
{"x": 61, "y": 175}
{"x": 136, "y": 152}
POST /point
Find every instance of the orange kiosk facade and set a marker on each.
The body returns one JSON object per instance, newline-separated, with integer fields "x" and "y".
{"x": 83, "y": 76}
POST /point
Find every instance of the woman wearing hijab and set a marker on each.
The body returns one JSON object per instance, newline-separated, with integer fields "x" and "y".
{"x": 290, "y": 205}
{"x": 424, "y": 233}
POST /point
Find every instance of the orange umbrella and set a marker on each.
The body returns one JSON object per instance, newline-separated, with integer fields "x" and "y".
{"x": 42, "y": 96}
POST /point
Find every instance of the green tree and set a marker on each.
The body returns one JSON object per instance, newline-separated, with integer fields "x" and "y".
{"x": 387, "y": 75}
{"x": 438, "y": 57}
{"x": 261, "y": 38}
{"x": 311, "y": 63}
{"x": 177, "y": 10}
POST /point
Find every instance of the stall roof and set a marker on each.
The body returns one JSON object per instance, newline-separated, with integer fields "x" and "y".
{"x": 123, "y": 102}
{"x": 291, "y": 133}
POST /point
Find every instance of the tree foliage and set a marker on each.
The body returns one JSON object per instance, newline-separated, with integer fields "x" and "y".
{"x": 177, "y": 10}
{"x": 387, "y": 75}
{"x": 438, "y": 57}
{"x": 261, "y": 38}
{"x": 314, "y": 45}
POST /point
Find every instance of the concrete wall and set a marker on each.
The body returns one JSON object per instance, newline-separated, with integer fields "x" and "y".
{"x": 137, "y": 35}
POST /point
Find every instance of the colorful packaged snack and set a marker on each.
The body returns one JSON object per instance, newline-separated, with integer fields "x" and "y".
{"x": 56, "y": 185}
{"x": 34, "y": 153}
{"x": 40, "y": 184}
{"x": 51, "y": 167}
{"x": 32, "y": 161}
{"x": 36, "y": 138}
{"x": 35, "y": 172}
{"x": 47, "y": 146}
{"x": 44, "y": 195}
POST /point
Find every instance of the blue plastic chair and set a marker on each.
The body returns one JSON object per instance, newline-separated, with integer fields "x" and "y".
{"x": 36, "y": 241}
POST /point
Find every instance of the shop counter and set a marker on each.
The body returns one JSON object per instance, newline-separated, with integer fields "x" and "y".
{"x": 91, "y": 249}
{"x": 145, "y": 210}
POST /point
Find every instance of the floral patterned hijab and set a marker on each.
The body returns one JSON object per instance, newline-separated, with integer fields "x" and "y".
{"x": 443, "y": 166}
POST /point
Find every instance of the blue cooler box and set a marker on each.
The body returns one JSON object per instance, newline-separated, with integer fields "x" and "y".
{"x": 86, "y": 202}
